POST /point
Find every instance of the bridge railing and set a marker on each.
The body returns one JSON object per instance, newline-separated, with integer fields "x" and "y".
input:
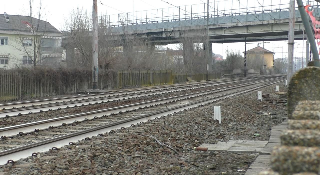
{"x": 194, "y": 13}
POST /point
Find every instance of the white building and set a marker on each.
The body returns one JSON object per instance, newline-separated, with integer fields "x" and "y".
{"x": 24, "y": 38}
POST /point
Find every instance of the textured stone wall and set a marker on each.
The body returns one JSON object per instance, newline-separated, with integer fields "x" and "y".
{"x": 304, "y": 85}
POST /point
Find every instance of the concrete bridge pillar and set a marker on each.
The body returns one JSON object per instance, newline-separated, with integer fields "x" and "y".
{"x": 128, "y": 54}
{"x": 128, "y": 50}
{"x": 188, "y": 52}
{"x": 151, "y": 48}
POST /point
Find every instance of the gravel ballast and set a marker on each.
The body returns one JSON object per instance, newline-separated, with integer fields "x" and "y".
{"x": 166, "y": 145}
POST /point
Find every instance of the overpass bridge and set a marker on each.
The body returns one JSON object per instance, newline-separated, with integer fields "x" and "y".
{"x": 266, "y": 24}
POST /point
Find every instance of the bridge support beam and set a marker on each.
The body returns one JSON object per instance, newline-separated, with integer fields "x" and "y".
{"x": 151, "y": 47}
{"x": 188, "y": 52}
{"x": 128, "y": 53}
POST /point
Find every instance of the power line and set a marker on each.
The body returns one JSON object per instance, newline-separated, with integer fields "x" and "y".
{"x": 147, "y": 3}
{"x": 174, "y": 5}
{"x": 111, "y": 7}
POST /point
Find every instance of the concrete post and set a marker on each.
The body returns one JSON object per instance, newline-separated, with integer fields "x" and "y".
{"x": 208, "y": 53}
{"x": 208, "y": 44}
{"x": 95, "y": 67}
{"x": 291, "y": 39}
{"x": 188, "y": 52}
{"x": 307, "y": 52}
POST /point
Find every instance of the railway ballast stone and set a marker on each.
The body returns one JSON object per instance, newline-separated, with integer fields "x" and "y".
{"x": 134, "y": 150}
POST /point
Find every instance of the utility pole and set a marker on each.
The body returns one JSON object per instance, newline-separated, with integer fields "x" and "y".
{"x": 245, "y": 57}
{"x": 291, "y": 39}
{"x": 95, "y": 67}
{"x": 309, "y": 33}
{"x": 209, "y": 58}
{"x": 302, "y": 48}
{"x": 30, "y": 4}
{"x": 307, "y": 46}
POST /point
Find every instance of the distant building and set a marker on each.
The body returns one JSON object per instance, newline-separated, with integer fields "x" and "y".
{"x": 176, "y": 56}
{"x": 217, "y": 57}
{"x": 259, "y": 52}
{"x": 22, "y": 38}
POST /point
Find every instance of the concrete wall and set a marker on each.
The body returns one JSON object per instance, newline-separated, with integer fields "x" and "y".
{"x": 267, "y": 57}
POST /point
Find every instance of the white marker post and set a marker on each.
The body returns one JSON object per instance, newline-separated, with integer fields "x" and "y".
{"x": 277, "y": 88}
{"x": 260, "y": 95}
{"x": 217, "y": 114}
{"x": 286, "y": 83}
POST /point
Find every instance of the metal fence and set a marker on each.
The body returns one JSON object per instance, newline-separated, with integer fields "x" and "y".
{"x": 36, "y": 83}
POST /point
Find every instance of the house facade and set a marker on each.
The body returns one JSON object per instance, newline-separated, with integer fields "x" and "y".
{"x": 26, "y": 41}
{"x": 253, "y": 56}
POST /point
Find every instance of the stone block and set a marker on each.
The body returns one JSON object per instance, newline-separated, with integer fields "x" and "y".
{"x": 295, "y": 159}
{"x": 304, "y": 85}
{"x": 308, "y": 138}
{"x": 304, "y": 124}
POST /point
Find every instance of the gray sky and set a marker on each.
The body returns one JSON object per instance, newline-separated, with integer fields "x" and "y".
{"x": 57, "y": 13}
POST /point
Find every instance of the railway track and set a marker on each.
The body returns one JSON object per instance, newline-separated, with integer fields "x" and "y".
{"x": 14, "y": 115}
{"x": 35, "y": 106}
{"x": 21, "y": 140}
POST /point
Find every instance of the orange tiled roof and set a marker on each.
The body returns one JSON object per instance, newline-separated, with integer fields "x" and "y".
{"x": 259, "y": 49}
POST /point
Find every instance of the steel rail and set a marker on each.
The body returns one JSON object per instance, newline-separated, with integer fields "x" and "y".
{"x": 5, "y": 154}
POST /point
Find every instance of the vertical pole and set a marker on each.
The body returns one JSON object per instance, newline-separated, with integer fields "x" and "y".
{"x": 133, "y": 11}
{"x": 191, "y": 13}
{"x": 214, "y": 11}
{"x": 162, "y": 15}
{"x": 302, "y": 48}
{"x": 309, "y": 33}
{"x": 179, "y": 13}
{"x": 291, "y": 39}
{"x": 127, "y": 18}
{"x": 204, "y": 10}
{"x": 307, "y": 46}
{"x": 208, "y": 44}
{"x": 245, "y": 57}
{"x": 95, "y": 67}
{"x": 307, "y": 52}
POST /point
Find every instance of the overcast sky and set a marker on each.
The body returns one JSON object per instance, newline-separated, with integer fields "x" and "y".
{"x": 57, "y": 12}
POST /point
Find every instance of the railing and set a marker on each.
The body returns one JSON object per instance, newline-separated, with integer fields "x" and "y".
{"x": 197, "y": 11}
{"x": 28, "y": 83}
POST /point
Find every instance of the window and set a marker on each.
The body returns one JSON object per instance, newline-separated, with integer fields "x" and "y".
{"x": 27, "y": 42}
{"x": 4, "y": 41}
{"x": 4, "y": 61}
{"x": 27, "y": 60}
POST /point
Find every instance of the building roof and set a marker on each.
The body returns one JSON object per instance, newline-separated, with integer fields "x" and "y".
{"x": 259, "y": 49}
{"x": 25, "y": 24}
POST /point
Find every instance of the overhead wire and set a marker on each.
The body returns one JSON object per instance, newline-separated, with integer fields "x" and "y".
{"x": 270, "y": 15}
{"x": 174, "y": 6}
{"x": 111, "y": 7}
